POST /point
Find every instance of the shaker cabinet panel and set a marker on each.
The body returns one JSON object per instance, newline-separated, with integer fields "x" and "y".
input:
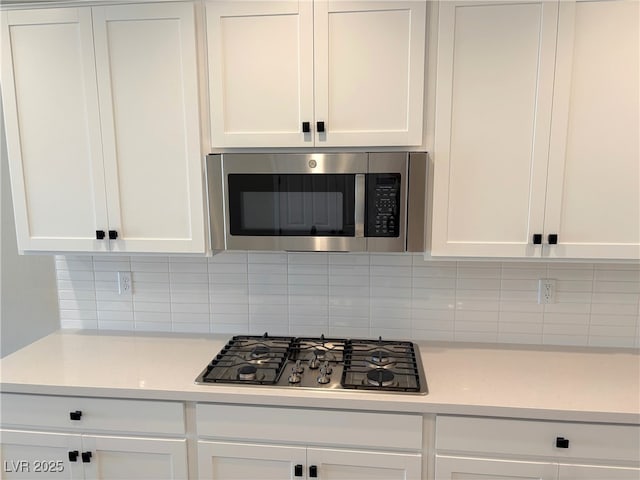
{"x": 369, "y": 70}
{"x": 494, "y": 87}
{"x": 260, "y": 72}
{"x": 335, "y": 464}
{"x": 593, "y": 199}
{"x": 148, "y": 86}
{"x": 103, "y": 133}
{"x": 467, "y": 468}
{"x": 53, "y": 129}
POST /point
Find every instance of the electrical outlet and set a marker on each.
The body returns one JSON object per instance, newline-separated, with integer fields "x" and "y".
{"x": 124, "y": 283}
{"x": 546, "y": 290}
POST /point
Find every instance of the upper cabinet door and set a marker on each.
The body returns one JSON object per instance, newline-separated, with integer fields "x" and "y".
{"x": 260, "y": 73}
{"x": 148, "y": 89}
{"x": 53, "y": 129}
{"x": 593, "y": 199}
{"x": 493, "y": 112}
{"x": 369, "y": 72}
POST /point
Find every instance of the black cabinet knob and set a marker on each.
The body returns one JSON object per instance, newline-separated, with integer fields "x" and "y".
{"x": 73, "y": 455}
{"x": 86, "y": 457}
{"x": 297, "y": 470}
{"x": 553, "y": 239}
{"x": 562, "y": 442}
{"x": 537, "y": 239}
{"x": 113, "y": 234}
{"x": 100, "y": 235}
{"x": 306, "y": 127}
{"x": 320, "y": 127}
{"x": 75, "y": 415}
{"x": 313, "y": 471}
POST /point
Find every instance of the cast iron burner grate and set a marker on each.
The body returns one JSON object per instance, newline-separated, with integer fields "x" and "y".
{"x": 249, "y": 360}
{"x": 382, "y": 365}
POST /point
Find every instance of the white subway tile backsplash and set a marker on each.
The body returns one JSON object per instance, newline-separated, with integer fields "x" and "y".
{"x": 401, "y": 296}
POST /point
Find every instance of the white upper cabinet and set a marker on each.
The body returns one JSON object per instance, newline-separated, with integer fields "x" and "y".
{"x": 536, "y": 145}
{"x": 102, "y": 122}
{"x": 349, "y": 72}
{"x": 493, "y": 106}
{"x": 52, "y": 124}
{"x": 593, "y": 196}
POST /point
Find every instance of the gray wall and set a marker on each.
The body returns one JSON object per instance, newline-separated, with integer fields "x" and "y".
{"x": 28, "y": 292}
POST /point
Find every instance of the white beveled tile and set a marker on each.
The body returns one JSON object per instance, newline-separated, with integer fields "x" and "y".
{"x": 434, "y": 303}
{"x": 149, "y": 259}
{"x": 392, "y": 292}
{"x": 150, "y": 290}
{"x": 526, "y": 285}
{"x": 398, "y": 334}
{"x": 348, "y": 270}
{"x": 355, "y": 312}
{"x": 389, "y": 271}
{"x": 315, "y": 258}
{"x": 76, "y": 304}
{"x": 111, "y": 296}
{"x": 350, "y": 280}
{"x": 389, "y": 303}
{"x": 309, "y": 320}
{"x": 104, "y": 265}
{"x": 151, "y": 277}
{"x": 515, "y": 306}
{"x": 349, "y": 259}
{"x": 307, "y": 291}
{"x": 517, "y": 327}
{"x": 111, "y": 315}
{"x": 75, "y": 275}
{"x": 266, "y": 279}
{"x": 76, "y": 285}
{"x": 574, "y": 286}
{"x": 76, "y": 294}
{"x": 303, "y": 269}
{"x": 573, "y": 297}
{"x": 437, "y": 325}
{"x": 219, "y": 291}
{"x": 189, "y": 278}
{"x": 188, "y": 267}
{"x": 256, "y": 269}
{"x": 391, "y": 322}
{"x": 573, "y": 273}
{"x": 565, "y": 340}
{"x": 144, "y": 326}
{"x": 419, "y": 260}
{"x": 147, "y": 267}
{"x": 609, "y": 341}
{"x": 420, "y": 315}
{"x": 565, "y": 329}
{"x": 613, "y": 309}
{"x": 616, "y": 287}
{"x": 467, "y": 270}
{"x": 155, "y": 317}
{"x": 267, "y": 257}
{"x": 186, "y": 327}
{"x": 463, "y": 284}
{"x": 612, "y": 331}
{"x": 310, "y": 300}
{"x": 349, "y": 332}
{"x": 229, "y": 329}
{"x": 521, "y": 317}
{"x": 79, "y": 314}
{"x": 473, "y": 295}
{"x": 116, "y": 325}
{"x": 433, "y": 282}
{"x": 433, "y": 335}
{"x": 236, "y": 308}
{"x": 432, "y": 271}
{"x": 202, "y": 308}
{"x": 66, "y": 263}
{"x": 612, "y": 275}
{"x": 476, "y": 316}
{"x": 281, "y": 310}
{"x": 261, "y": 289}
{"x": 393, "y": 260}
{"x": 480, "y": 337}
{"x": 566, "y": 319}
{"x": 349, "y": 291}
{"x": 123, "y": 306}
{"x": 227, "y": 279}
{"x": 307, "y": 279}
{"x": 477, "y": 305}
{"x": 189, "y": 317}
{"x": 308, "y": 330}
{"x": 267, "y": 299}
{"x": 155, "y": 307}
{"x": 523, "y": 272}
{"x": 241, "y": 319}
{"x": 519, "y": 338}
{"x": 189, "y": 288}
{"x": 567, "y": 308}
{"x": 622, "y": 298}
{"x": 394, "y": 282}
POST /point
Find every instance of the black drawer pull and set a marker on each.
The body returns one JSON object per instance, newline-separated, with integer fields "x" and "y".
{"x": 562, "y": 442}
{"x": 320, "y": 127}
{"x": 306, "y": 127}
{"x": 298, "y": 470}
{"x": 553, "y": 239}
{"x": 113, "y": 234}
{"x": 313, "y": 471}
{"x": 537, "y": 239}
{"x": 75, "y": 415}
{"x": 100, "y": 235}
{"x": 73, "y": 455}
{"x": 86, "y": 457}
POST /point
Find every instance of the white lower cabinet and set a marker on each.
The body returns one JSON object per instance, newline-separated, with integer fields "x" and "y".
{"x": 472, "y": 448}
{"x": 72, "y": 437}
{"x": 247, "y": 443}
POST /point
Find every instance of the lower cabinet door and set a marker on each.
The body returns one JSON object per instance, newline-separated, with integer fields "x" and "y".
{"x": 591, "y": 472}
{"x": 466, "y": 468}
{"x": 135, "y": 458}
{"x": 334, "y": 464}
{"x": 242, "y": 461}
{"x": 37, "y": 455}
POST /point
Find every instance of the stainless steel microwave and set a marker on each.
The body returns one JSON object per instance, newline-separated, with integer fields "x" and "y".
{"x": 346, "y": 202}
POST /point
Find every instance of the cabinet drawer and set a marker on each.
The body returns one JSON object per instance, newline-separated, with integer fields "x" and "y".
{"x": 97, "y": 414}
{"x": 532, "y": 437}
{"x": 311, "y": 427}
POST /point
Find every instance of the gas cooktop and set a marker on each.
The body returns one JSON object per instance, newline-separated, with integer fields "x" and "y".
{"x": 329, "y": 363}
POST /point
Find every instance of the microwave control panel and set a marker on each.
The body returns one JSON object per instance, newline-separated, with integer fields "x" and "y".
{"x": 383, "y": 205}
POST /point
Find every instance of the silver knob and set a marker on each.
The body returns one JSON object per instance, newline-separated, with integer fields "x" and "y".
{"x": 314, "y": 363}
{"x": 298, "y": 368}
{"x": 323, "y": 377}
{"x": 295, "y": 376}
{"x": 327, "y": 368}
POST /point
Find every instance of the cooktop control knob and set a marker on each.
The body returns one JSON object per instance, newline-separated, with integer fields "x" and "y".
{"x": 295, "y": 376}
{"x": 314, "y": 363}
{"x": 298, "y": 368}
{"x": 327, "y": 368}
{"x": 324, "y": 376}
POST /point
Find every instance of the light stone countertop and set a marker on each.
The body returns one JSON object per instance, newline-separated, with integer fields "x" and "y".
{"x": 560, "y": 383}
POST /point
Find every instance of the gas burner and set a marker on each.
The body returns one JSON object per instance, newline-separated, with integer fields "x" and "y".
{"x": 381, "y": 358}
{"x": 260, "y": 352}
{"x": 320, "y": 353}
{"x": 379, "y": 377}
{"x": 247, "y": 372}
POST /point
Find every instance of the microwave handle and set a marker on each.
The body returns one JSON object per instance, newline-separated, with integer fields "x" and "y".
{"x": 360, "y": 192}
